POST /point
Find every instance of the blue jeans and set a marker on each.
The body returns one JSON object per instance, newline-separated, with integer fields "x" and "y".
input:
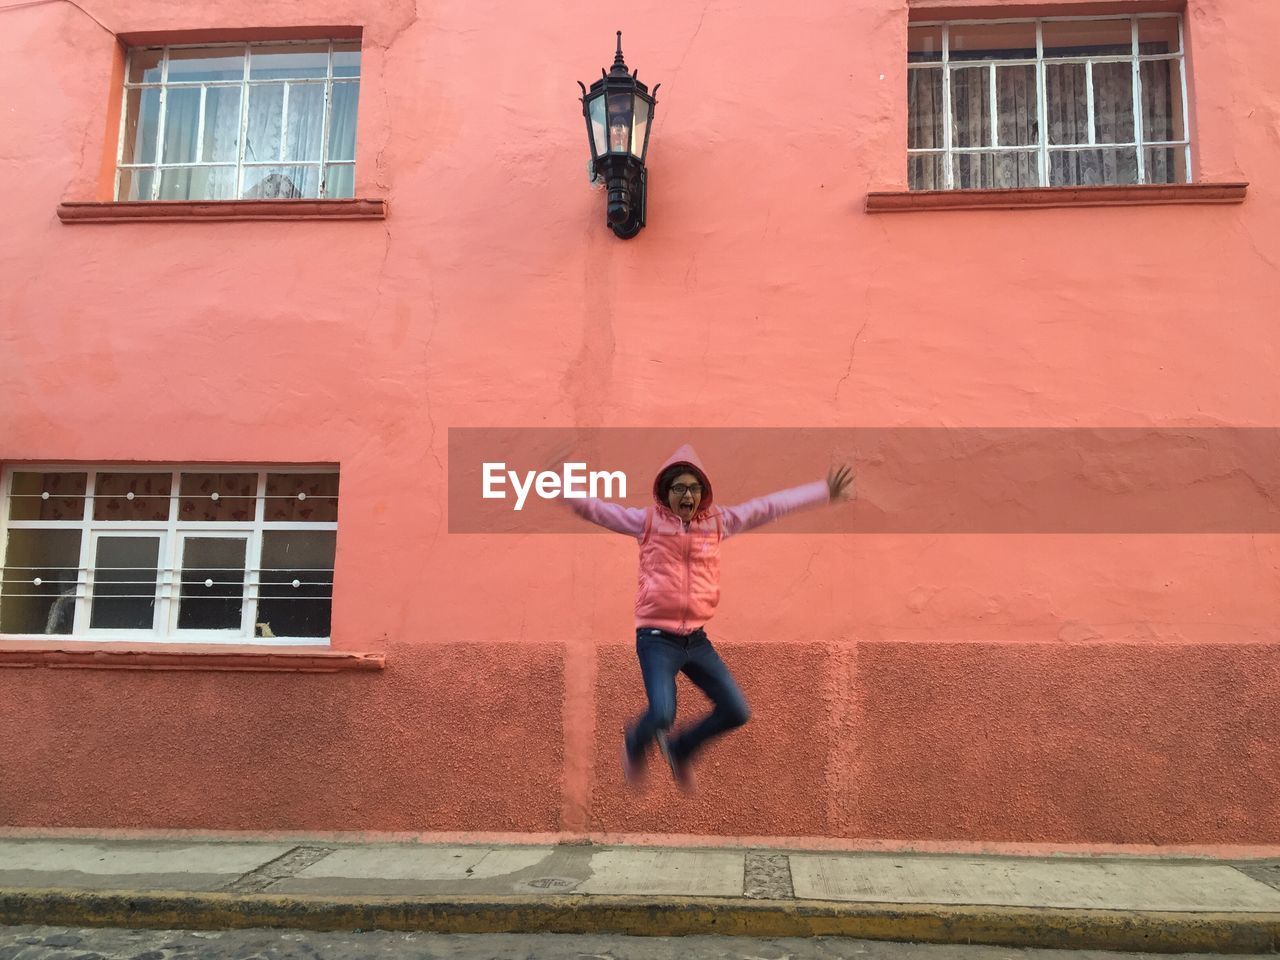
{"x": 662, "y": 655}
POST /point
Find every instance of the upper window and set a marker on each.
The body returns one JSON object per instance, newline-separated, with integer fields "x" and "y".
{"x": 251, "y": 121}
{"x": 206, "y": 555}
{"x": 1054, "y": 102}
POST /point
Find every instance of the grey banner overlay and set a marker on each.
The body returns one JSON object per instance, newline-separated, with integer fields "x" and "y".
{"x": 908, "y": 480}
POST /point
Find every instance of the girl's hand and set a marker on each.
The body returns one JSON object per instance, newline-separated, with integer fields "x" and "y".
{"x": 840, "y": 483}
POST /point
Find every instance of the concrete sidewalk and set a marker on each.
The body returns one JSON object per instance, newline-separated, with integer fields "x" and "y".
{"x": 1084, "y": 903}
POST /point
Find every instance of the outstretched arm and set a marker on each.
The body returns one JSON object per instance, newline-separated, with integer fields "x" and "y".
{"x": 773, "y": 506}
{"x": 611, "y": 516}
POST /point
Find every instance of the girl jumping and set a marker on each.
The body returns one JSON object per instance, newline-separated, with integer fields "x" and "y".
{"x": 679, "y": 587}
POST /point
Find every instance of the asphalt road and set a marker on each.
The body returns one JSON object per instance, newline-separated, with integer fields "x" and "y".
{"x": 63, "y": 943}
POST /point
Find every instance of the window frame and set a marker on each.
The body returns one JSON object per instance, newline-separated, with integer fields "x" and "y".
{"x": 244, "y": 84}
{"x": 173, "y": 533}
{"x": 1042, "y": 147}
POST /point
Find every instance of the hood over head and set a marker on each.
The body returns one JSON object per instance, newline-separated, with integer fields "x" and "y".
{"x": 684, "y": 457}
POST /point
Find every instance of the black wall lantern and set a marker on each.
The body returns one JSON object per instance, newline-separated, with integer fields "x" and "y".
{"x": 619, "y": 112}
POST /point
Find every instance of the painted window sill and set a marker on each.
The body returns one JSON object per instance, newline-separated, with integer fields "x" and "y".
{"x": 910, "y": 201}
{"x": 124, "y": 656}
{"x": 203, "y": 211}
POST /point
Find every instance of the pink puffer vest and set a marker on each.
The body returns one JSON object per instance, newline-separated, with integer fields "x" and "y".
{"x": 679, "y": 577}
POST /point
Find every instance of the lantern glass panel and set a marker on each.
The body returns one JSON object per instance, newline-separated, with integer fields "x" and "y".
{"x": 621, "y": 106}
{"x": 640, "y": 128}
{"x": 595, "y": 109}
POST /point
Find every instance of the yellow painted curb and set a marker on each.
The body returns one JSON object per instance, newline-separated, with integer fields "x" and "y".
{"x": 1145, "y": 931}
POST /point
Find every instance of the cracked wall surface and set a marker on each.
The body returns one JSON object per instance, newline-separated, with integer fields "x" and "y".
{"x": 1067, "y": 688}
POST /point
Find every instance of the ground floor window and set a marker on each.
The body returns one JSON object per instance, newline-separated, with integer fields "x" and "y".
{"x": 187, "y": 554}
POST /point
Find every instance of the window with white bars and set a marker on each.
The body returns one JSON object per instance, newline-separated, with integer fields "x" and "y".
{"x": 245, "y": 120}
{"x": 1051, "y": 102}
{"x": 179, "y": 554}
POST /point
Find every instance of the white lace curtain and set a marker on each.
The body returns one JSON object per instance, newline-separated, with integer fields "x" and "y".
{"x": 181, "y": 132}
{"x": 1018, "y": 125}
{"x": 264, "y": 137}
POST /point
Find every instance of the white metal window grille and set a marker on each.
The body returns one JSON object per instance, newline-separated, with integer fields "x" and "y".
{"x": 1050, "y": 102}
{"x": 245, "y": 120}
{"x": 218, "y": 554}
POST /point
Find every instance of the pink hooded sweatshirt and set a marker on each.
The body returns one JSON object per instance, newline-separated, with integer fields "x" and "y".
{"x": 680, "y": 562}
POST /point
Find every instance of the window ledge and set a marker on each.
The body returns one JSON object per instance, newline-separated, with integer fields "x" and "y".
{"x": 199, "y": 211}
{"x": 908, "y": 201}
{"x": 172, "y": 657}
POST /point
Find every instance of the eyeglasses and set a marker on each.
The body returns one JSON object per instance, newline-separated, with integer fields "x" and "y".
{"x": 680, "y": 489}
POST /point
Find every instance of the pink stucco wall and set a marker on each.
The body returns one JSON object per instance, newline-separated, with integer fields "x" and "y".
{"x": 1103, "y": 689}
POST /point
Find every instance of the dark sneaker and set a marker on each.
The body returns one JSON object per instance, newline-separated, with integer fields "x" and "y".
{"x": 632, "y": 768}
{"x": 681, "y": 772}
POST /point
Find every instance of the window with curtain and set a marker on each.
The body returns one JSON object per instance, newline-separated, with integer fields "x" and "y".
{"x": 1052, "y": 102}
{"x": 239, "y": 121}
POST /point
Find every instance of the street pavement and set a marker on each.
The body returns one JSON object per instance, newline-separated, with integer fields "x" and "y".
{"x": 1116, "y": 903}
{"x": 64, "y": 943}
{"x": 427, "y": 870}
